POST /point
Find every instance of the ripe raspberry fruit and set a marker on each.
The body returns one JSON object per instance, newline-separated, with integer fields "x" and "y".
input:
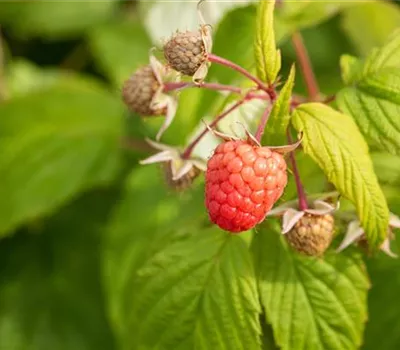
{"x": 242, "y": 184}
{"x": 138, "y": 92}
{"x": 185, "y": 52}
{"x": 312, "y": 234}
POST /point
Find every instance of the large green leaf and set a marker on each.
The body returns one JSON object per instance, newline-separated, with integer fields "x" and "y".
{"x": 268, "y": 59}
{"x": 382, "y": 17}
{"x": 333, "y": 140}
{"x": 372, "y": 98}
{"x": 54, "y": 144}
{"x": 311, "y": 304}
{"x": 54, "y": 19}
{"x": 119, "y": 48}
{"x": 50, "y": 286}
{"x": 275, "y": 131}
{"x": 381, "y": 330}
{"x": 173, "y": 283}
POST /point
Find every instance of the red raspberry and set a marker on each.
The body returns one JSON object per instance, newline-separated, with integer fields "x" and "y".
{"x": 242, "y": 184}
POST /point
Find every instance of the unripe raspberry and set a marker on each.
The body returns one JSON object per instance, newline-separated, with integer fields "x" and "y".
{"x": 185, "y": 52}
{"x": 312, "y": 234}
{"x": 184, "y": 182}
{"x": 139, "y": 90}
{"x": 242, "y": 184}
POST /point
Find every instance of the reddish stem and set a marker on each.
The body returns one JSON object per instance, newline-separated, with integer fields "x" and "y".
{"x": 215, "y": 86}
{"x": 241, "y": 70}
{"x": 212, "y": 86}
{"x": 263, "y": 123}
{"x": 186, "y": 154}
{"x": 305, "y": 66}
{"x": 303, "y": 205}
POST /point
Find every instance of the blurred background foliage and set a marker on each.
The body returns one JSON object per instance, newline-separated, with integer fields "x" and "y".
{"x": 76, "y": 212}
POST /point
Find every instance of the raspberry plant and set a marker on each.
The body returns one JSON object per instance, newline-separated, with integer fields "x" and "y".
{"x": 235, "y": 188}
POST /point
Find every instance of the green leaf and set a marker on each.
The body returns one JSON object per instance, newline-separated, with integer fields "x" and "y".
{"x": 333, "y": 140}
{"x": 382, "y": 18}
{"x": 386, "y": 167}
{"x": 275, "y": 131}
{"x": 375, "y": 105}
{"x": 54, "y": 19}
{"x": 50, "y": 286}
{"x": 372, "y": 99}
{"x": 310, "y": 303}
{"x": 351, "y": 68}
{"x": 385, "y": 56}
{"x": 24, "y": 77}
{"x": 119, "y": 48}
{"x": 268, "y": 59}
{"x": 381, "y": 331}
{"x": 55, "y": 144}
{"x": 173, "y": 283}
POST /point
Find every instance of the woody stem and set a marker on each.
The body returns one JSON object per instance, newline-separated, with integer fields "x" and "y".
{"x": 186, "y": 154}
{"x": 222, "y": 61}
{"x": 305, "y": 66}
{"x": 173, "y": 86}
{"x": 303, "y": 205}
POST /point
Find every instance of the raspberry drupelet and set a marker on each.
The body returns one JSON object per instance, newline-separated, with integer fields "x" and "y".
{"x": 242, "y": 184}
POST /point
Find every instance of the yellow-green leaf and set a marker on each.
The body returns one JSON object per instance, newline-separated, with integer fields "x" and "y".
{"x": 275, "y": 131}
{"x": 268, "y": 59}
{"x": 333, "y": 140}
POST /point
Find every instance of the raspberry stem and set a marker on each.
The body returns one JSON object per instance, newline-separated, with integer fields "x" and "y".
{"x": 186, "y": 154}
{"x": 224, "y": 62}
{"x": 215, "y": 86}
{"x": 303, "y": 205}
{"x": 212, "y": 86}
{"x": 305, "y": 66}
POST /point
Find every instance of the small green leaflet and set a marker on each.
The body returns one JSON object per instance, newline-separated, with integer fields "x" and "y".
{"x": 373, "y": 96}
{"x": 310, "y": 303}
{"x": 268, "y": 59}
{"x": 334, "y": 142}
{"x": 275, "y": 131}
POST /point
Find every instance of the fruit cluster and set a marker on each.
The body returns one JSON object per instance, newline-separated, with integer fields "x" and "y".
{"x": 243, "y": 179}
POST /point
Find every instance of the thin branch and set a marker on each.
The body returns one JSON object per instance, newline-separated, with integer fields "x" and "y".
{"x": 305, "y": 66}
{"x": 186, "y": 154}
{"x": 241, "y": 70}
{"x": 263, "y": 122}
{"x": 175, "y": 86}
{"x": 303, "y": 205}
